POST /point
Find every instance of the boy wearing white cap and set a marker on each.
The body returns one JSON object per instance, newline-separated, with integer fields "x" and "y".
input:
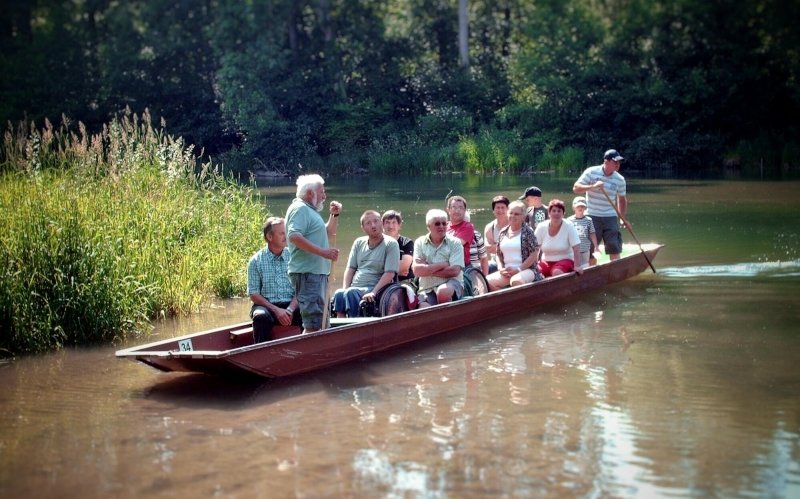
{"x": 585, "y": 228}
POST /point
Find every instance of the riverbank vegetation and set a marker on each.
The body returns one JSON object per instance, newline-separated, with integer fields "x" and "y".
{"x": 424, "y": 86}
{"x": 100, "y": 233}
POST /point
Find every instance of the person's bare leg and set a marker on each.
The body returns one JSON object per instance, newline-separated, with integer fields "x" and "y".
{"x": 444, "y": 294}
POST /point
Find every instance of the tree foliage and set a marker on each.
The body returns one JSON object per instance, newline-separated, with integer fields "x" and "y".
{"x": 280, "y": 83}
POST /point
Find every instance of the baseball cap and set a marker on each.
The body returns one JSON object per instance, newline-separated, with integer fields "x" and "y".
{"x": 613, "y": 155}
{"x": 531, "y": 191}
{"x": 579, "y": 201}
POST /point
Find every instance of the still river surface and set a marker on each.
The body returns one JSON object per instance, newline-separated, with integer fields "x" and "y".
{"x": 682, "y": 383}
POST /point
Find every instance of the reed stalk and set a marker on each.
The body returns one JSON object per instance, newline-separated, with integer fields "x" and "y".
{"x": 100, "y": 233}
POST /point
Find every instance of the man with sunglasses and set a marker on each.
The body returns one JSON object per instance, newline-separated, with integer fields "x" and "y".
{"x": 438, "y": 262}
{"x": 592, "y": 183}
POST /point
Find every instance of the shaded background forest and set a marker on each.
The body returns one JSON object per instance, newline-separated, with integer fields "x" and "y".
{"x": 409, "y": 86}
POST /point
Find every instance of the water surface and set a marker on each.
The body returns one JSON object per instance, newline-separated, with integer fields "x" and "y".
{"x": 683, "y": 383}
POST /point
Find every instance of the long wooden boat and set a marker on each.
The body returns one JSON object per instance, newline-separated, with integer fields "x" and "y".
{"x": 231, "y": 350}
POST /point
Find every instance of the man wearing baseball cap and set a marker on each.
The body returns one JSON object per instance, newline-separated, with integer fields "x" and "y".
{"x": 592, "y": 182}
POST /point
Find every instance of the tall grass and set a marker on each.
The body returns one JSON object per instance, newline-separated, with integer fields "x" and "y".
{"x": 488, "y": 152}
{"x": 494, "y": 151}
{"x": 491, "y": 151}
{"x": 564, "y": 161}
{"x": 101, "y": 232}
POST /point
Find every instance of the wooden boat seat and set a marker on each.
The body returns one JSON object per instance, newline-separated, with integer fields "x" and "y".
{"x": 278, "y": 332}
{"x": 343, "y": 321}
{"x": 239, "y": 332}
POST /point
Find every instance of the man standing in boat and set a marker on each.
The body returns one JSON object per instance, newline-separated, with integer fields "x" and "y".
{"x": 372, "y": 265}
{"x": 593, "y": 182}
{"x": 310, "y": 254}
{"x": 268, "y": 283}
{"x": 438, "y": 262}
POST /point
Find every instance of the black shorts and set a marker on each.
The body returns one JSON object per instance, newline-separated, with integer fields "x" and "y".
{"x": 607, "y": 231}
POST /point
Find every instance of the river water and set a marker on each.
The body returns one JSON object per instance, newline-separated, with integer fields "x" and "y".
{"x": 682, "y": 383}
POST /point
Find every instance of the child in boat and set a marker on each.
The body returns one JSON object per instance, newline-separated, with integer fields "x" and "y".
{"x": 585, "y": 228}
{"x": 537, "y": 212}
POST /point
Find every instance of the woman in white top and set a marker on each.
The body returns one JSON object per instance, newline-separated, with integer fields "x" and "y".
{"x": 561, "y": 245}
{"x": 492, "y": 230}
{"x": 517, "y": 252}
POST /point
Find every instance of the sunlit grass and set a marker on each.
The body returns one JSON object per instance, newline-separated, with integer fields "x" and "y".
{"x": 488, "y": 152}
{"x": 99, "y": 234}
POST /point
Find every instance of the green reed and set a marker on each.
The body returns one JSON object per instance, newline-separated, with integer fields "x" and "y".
{"x": 562, "y": 162}
{"x": 101, "y": 232}
{"x": 490, "y": 151}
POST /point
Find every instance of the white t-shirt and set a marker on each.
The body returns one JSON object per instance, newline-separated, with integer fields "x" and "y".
{"x": 558, "y": 247}
{"x": 512, "y": 251}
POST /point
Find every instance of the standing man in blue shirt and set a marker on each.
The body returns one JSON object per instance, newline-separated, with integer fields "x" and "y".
{"x": 310, "y": 254}
{"x": 268, "y": 283}
{"x": 593, "y": 182}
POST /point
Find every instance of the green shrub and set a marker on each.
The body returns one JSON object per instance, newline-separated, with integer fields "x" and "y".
{"x": 399, "y": 153}
{"x": 445, "y": 125}
{"x": 98, "y": 234}
{"x": 493, "y": 151}
{"x": 765, "y": 156}
{"x": 562, "y": 162}
{"x": 660, "y": 150}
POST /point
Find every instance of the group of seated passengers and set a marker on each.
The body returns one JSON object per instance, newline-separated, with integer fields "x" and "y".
{"x": 549, "y": 244}
{"x": 377, "y": 259}
{"x": 522, "y": 250}
{"x": 435, "y": 261}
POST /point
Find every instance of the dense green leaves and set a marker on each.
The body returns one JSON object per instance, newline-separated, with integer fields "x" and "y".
{"x": 100, "y": 233}
{"x": 279, "y": 83}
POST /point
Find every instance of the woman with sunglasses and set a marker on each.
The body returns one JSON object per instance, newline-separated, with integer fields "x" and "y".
{"x": 517, "y": 252}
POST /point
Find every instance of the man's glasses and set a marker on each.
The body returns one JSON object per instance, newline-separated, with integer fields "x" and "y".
{"x": 439, "y": 224}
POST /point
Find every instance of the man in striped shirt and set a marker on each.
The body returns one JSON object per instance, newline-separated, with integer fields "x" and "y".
{"x": 592, "y": 183}
{"x": 268, "y": 283}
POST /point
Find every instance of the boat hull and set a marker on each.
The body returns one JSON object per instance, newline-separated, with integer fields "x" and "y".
{"x": 218, "y": 351}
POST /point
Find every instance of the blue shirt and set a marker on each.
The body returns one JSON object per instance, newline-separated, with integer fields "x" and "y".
{"x": 268, "y": 276}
